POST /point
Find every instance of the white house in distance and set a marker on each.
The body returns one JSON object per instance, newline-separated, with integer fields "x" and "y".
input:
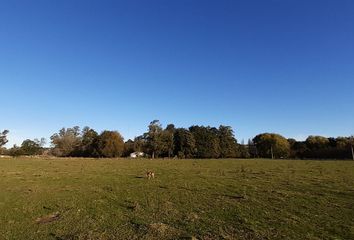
{"x": 137, "y": 154}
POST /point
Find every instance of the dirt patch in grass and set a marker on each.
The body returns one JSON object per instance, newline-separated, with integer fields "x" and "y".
{"x": 164, "y": 230}
{"x": 49, "y": 218}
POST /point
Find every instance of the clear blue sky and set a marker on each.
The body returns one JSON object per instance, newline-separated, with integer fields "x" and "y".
{"x": 284, "y": 66}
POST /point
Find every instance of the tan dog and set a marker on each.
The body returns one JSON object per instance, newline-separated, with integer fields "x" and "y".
{"x": 150, "y": 174}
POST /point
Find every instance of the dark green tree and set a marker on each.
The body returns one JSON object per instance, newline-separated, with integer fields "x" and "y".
{"x": 184, "y": 143}
{"x": 298, "y": 149}
{"x": 320, "y": 147}
{"x": 207, "y": 141}
{"x": 32, "y": 147}
{"x": 89, "y": 143}
{"x": 168, "y": 139}
{"x": 252, "y": 149}
{"x": 128, "y": 148}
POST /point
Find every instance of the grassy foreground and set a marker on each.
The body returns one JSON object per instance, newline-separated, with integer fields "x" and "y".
{"x": 205, "y": 199}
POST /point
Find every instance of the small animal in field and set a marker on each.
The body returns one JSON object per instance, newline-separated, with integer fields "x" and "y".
{"x": 150, "y": 174}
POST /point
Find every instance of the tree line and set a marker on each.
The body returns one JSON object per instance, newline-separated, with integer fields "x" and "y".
{"x": 171, "y": 142}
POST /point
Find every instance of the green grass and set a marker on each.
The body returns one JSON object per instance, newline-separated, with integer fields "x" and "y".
{"x": 207, "y": 199}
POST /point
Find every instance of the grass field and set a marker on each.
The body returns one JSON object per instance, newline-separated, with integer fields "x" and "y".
{"x": 205, "y": 199}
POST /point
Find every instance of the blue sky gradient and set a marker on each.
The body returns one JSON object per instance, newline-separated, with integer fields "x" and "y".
{"x": 258, "y": 66}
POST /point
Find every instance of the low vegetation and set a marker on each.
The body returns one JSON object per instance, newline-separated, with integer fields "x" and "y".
{"x": 188, "y": 199}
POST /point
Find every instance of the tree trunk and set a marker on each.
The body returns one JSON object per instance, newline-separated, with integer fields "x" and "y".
{"x": 153, "y": 154}
{"x": 271, "y": 150}
{"x": 352, "y": 152}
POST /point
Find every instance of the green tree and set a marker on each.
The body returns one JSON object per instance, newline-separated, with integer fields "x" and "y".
{"x": 15, "y": 151}
{"x": 207, "y": 141}
{"x": 3, "y": 137}
{"x": 184, "y": 143}
{"x": 89, "y": 143}
{"x": 292, "y": 142}
{"x": 111, "y": 144}
{"x": 272, "y": 145}
{"x": 32, "y": 147}
{"x": 252, "y": 149}
{"x": 320, "y": 147}
{"x": 344, "y": 147}
{"x": 140, "y": 144}
{"x": 298, "y": 149}
{"x": 243, "y": 151}
{"x": 128, "y": 148}
{"x": 227, "y": 141}
{"x": 154, "y": 139}
{"x": 67, "y": 142}
{"x": 317, "y": 142}
{"x": 168, "y": 139}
